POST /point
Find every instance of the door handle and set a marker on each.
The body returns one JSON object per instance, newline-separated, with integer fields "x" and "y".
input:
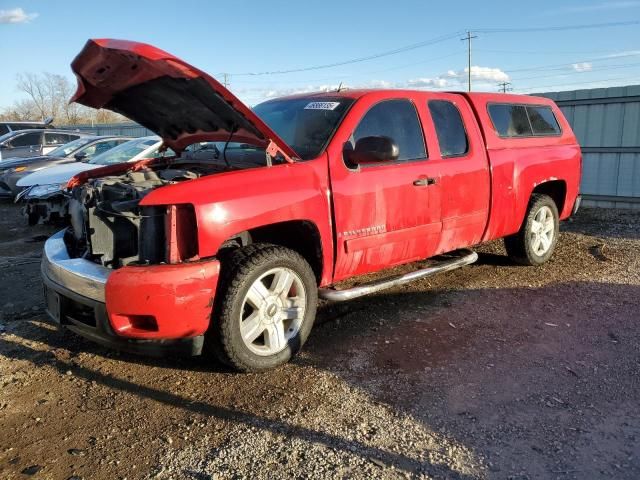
{"x": 424, "y": 181}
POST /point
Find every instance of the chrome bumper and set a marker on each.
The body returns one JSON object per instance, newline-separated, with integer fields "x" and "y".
{"x": 76, "y": 274}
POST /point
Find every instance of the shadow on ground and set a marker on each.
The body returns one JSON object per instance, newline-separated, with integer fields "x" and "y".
{"x": 536, "y": 381}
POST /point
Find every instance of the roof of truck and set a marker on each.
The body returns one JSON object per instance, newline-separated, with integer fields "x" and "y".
{"x": 485, "y": 97}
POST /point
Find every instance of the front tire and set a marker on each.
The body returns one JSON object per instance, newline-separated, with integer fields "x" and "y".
{"x": 265, "y": 307}
{"x": 535, "y": 242}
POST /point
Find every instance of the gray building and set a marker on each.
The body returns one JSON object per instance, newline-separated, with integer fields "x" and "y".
{"x": 607, "y": 124}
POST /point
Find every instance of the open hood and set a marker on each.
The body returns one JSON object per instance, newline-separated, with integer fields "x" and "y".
{"x": 178, "y": 102}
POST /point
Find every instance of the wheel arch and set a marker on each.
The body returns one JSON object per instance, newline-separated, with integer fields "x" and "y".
{"x": 302, "y": 236}
{"x": 556, "y": 189}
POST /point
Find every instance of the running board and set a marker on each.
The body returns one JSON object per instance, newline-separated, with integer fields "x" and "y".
{"x": 463, "y": 257}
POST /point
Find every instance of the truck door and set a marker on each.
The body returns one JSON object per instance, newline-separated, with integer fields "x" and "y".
{"x": 385, "y": 213}
{"x": 466, "y": 188}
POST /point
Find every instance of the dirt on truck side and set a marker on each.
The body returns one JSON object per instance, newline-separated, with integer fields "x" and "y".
{"x": 491, "y": 371}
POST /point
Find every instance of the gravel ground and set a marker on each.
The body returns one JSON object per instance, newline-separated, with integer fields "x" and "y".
{"x": 491, "y": 371}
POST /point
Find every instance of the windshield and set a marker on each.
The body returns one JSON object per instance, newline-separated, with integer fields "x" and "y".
{"x": 69, "y": 148}
{"x": 126, "y": 151}
{"x": 305, "y": 124}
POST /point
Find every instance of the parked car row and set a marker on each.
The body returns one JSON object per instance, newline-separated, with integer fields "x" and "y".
{"x": 6, "y": 127}
{"x": 37, "y": 170}
{"x": 32, "y": 142}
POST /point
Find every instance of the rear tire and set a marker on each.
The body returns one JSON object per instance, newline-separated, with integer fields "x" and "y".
{"x": 265, "y": 307}
{"x": 535, "y": 242}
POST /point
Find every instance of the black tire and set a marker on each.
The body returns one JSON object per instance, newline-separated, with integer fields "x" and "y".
{"x": 240, "y": 268}
{"x": 520, "y": 245}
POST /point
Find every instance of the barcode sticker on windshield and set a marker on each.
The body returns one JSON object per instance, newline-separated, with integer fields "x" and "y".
{"x": 322, "y": 105}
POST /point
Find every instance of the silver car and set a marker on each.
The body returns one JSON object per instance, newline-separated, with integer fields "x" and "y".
{"x": 31, "y": 143}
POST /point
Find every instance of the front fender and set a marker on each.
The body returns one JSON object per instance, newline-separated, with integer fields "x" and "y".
{"x": 233, "y": 202}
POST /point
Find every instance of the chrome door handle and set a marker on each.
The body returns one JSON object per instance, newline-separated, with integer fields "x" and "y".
{"x": 424, "y": 182}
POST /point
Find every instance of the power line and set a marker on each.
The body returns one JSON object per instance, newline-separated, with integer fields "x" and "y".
{"x": 559, "y": 28}
{"x": 335, "y": 77}
{"x": 225, "y": 80}
{"x": 406, "y": 48}
{"x": 560, "y": 66}
{"x": 468, "y": 39}
{"x": 505, "y": 86}
{"x": 539, "y": 87}
{"x": 440, "y": 39}
{"x": 573, "y": 72}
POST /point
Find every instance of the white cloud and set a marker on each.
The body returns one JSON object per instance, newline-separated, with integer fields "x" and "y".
{"x": 582, "y": 67}
{"x": 454, "y": 78}
{"x": 16, "y": 15}
{"x": 489, "y": 74}
{"x": 428, "y": 82}
{"x": 482, "y": 78}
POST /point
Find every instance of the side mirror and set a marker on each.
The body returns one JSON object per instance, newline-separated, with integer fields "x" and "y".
{"x": 80, "y": 157}
{"x": 373, "y": 150}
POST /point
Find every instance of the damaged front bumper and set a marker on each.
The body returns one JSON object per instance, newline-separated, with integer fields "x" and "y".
{"x": 42, "y": 205}
{"x": 152, "y": 310}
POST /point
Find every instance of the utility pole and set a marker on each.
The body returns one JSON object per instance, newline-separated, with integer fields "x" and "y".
{"x": 468, "y": 39}
{"x": 505, "y": 86}
{"x": 225, "y": 79}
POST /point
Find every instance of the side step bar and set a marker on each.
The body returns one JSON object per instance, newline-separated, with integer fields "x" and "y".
{"x": 460, "y": 259}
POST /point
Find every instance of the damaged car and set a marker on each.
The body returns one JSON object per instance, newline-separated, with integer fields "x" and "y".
{"x": 229, "y": 254}
{"x": 44, "y": 192}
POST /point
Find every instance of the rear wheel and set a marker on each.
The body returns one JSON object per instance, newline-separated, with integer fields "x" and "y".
{"x": 265, "y": 307}
{"x": 535, "y": 242}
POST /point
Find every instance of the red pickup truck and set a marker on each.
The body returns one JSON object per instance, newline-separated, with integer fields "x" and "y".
{"x": 227, "y": 245}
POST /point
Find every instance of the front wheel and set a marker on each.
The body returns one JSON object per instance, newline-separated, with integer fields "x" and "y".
{"x": 265, "y": 307}
{"x": 535, "y": 242}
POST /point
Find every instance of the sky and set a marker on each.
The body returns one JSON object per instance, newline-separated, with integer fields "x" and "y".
{"x": 246, "y": 39}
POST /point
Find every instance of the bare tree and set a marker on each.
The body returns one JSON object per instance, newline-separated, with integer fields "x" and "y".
{"x": 48, "y": 95}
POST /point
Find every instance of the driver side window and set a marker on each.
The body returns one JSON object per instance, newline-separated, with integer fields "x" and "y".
{"x": 398, "y": 120}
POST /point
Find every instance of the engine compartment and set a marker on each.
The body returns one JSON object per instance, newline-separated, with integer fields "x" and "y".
{"x": 110, "y": 227}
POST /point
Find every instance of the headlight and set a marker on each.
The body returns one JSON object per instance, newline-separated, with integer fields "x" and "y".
{"x": 44, "y": 190}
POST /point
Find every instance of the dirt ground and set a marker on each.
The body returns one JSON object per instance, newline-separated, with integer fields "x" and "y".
{"x": 492, "y": 371}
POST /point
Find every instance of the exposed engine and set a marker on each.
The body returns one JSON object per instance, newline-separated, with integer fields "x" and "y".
{"x": 110, "y": 227}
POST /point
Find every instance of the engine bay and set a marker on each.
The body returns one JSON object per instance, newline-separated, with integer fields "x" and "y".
{"x": 110, "y": 227}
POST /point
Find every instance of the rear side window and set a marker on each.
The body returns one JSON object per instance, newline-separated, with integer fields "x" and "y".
{"x": 543, "y": 121}
{"x": 510, "y": 120}
{"x": 398, "y": 120}
{"x": 523, "y": 120}
{"x": 4, "y": 129}
{"x": 450, "y": 130}
{"x": 58, "y": 138}
{"x": 27, "y": 140}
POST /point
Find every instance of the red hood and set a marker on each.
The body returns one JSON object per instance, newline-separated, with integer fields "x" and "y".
{"x": 171, "y": 98}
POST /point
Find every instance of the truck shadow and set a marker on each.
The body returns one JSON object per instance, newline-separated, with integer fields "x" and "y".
{"x": 20, "y": 351}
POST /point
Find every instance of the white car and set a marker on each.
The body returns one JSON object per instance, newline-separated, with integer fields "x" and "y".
{"x": 44, "y": 190}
